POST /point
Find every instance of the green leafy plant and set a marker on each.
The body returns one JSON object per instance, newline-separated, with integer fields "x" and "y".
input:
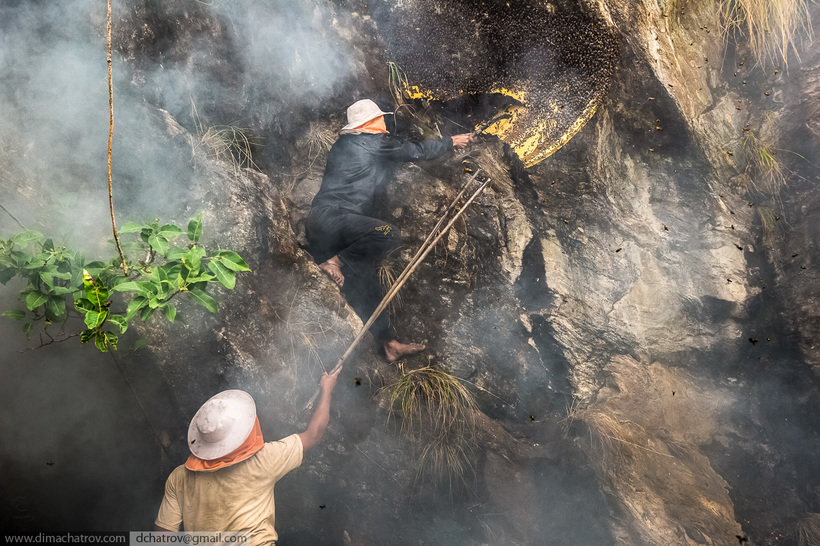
{"x": 60, "y": 284}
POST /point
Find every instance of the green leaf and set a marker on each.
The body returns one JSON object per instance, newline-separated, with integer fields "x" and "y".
{"x": 129, "y": 286}
{"x": 116, "y": 280}
{"x": 231, "y": 260}
{"x": 48, "y": 244}
{"x": 27, "y": 328}
{"x": 112, "y": 339}
{"x": 95, "y": 319}
{"x": 61, "y": 290}
{"x": 48, "y": 279}
{"x": 158, "y": 243}
{"x": 86, "y": 335}
{"x": 169, "y": 231}
{"x": 176, "y": 253}
{"x": 26, "y": 237}
{"x": 146, "y": 313}
{"x": 158, "y": 275}
{"x": 6, "y": 274}
{"x": 76, "y": 276}
{"x": 55, "y": 309}
{"x": 35, "y": 300}
{"x": 95, "y": 292}
{"x": 204, "y": 299}
{"x": 172, "y": 271}
{"x": 223, "y": 274}
{"x": 134, "y": 306}
{"x": 170, "y": 312}
{"x": 15, "y": 314}
{"x": 120, "y": 321}
{"x": 201, "y": 279}
{"x": 130, "y": 227}
{"x": 83, "y": 305}
{"x": 139, "y": 344}
{"x": 100, "y": 342}
{"x": 35, "y": 264}
{"x": 19, "y": 258}
{"x": 194, "y": 258}
{"x": 195, "y": 228}
{"x": 203, "y": 285}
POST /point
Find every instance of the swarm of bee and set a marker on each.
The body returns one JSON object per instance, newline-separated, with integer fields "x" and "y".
{"x": 553, "y": 62}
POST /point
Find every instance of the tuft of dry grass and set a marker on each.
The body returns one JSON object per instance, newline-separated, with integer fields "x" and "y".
{"x": 615, "y": 445}
{"x": 807, "y": 529}
{"x": 611, "y": 440}
{"x": 228, "y": 143}
{"x": 396, "y": 82}
{"x": 387, "y": 278}
{"x": 773, "y": 28}
{"x": 765, "y": 171}
{"x": 438, "y": 415}
{"x": 768, "y": 219}
{"x": 317, "y": 140}
{"x": 224, "y": 142}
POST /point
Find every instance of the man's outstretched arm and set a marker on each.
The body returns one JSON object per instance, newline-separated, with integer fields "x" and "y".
{"x": 318, "y": 423}
{"x": 395, "y": 150}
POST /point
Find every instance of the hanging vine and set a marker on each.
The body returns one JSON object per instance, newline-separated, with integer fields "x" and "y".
{"x": 110, "y": 141}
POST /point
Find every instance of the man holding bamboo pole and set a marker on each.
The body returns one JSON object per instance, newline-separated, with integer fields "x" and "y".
{"x": 345, "y": 239}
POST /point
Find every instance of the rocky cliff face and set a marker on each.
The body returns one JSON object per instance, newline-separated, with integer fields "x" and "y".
{"x": 630, "y": 318}
{"x": 614, "y": 289}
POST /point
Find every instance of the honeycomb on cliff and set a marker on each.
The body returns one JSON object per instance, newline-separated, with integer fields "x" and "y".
{"x": 554, "y": 58}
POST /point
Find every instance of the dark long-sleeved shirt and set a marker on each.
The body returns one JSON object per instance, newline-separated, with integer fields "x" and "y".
{"x": 358, "y": 165}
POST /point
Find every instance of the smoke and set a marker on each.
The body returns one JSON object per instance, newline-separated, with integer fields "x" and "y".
{"x": 271, "y": 67}
{"x": 73, "y": 426}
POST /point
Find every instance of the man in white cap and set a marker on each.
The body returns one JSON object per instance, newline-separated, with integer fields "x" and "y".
{"x": 344, "y": 237}
{"x": 227, "y": 482}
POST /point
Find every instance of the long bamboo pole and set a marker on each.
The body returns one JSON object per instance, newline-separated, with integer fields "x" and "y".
{"x": 433, "y": 232}
{"x": 398, "y": 284}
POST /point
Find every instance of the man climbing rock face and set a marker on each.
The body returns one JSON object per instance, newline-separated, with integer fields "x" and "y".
{"x": 345, "y": 239}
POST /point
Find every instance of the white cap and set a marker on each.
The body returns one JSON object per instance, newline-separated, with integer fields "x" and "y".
{"x": 222, "y": 424}
{"x": 361, "y": 112}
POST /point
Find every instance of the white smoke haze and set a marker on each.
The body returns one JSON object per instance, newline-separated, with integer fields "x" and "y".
{"x": 271, "y": 67}
{"x": 67, "y": 404}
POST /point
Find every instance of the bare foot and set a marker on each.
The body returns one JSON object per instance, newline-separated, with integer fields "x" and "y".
{"x": 394, "y": 350}
{"x": 333, "y": 269}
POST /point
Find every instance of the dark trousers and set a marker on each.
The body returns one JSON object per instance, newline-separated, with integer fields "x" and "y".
{"x": 360, "y": 242}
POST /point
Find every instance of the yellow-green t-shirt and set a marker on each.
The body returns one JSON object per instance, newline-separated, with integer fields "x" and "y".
{"x": 234, "y": 498}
